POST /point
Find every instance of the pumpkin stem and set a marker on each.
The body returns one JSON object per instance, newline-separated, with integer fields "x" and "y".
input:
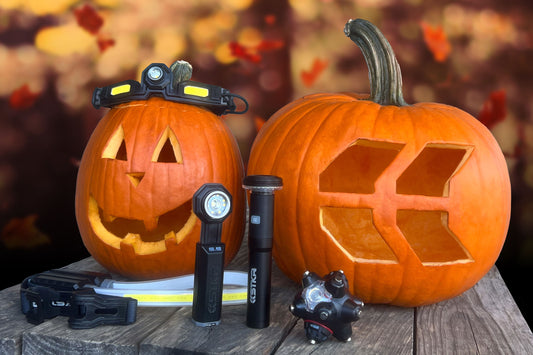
{"x": 383, "y": 68}
{"x": 181, "y": 70}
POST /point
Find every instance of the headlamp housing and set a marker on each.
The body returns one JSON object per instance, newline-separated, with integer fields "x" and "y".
{"x": 157, "y": 80}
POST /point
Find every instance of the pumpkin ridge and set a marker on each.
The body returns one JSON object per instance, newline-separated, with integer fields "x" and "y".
{"x": 489, "y": 142}
{"x": 312, "y": 135}
{"x": 300, "y": 112}
{"x": 289, "y": 123}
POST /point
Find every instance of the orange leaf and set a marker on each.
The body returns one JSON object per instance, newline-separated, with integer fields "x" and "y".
{"x": 88, "y": 19}
{"x": 270, "y": 19}
{"x": 104, "y": 43}
{"x": 310, "y": 76}
{"x": 269, "y": 45}
{"x": 436, "y": 41}
{"x": 23, "y": 98}
{"x": 494, "y": 109}
{"x": 259, "y": 122}
{"x": 241, "y": 52}
{"x": 23, "y": 233}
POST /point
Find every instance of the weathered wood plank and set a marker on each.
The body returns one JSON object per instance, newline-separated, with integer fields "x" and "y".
{"x": 12, "y": 322}
{"x": 381, "y": 330}
{"x": 54, "y": 336}
{"x": 483, "y": 320}
{"x": 180, "y": 335}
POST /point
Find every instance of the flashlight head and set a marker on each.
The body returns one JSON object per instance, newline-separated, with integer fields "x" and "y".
{"x": 156, "y": 76}
{"x": 212, "y": 203}
{"x": 262, "y": 183}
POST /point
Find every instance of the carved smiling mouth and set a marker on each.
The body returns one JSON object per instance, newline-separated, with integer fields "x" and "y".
{"x": 146, "y": 236}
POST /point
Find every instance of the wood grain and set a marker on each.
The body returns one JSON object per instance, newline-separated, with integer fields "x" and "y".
{"x": 232, "y": 336}
{"x": 381, "y": 330}
{"x": 483, "y": 320}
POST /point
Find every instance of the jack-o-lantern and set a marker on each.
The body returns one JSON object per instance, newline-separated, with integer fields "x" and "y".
{"x": 140, "y": 169}
{"x": 412, "y": 202}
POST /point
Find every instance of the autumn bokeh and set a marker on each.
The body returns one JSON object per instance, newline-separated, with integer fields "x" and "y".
{"x": 475, "y": 55}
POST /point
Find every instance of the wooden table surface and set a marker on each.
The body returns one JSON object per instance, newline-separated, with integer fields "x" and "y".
{"x": 483, "y": 320}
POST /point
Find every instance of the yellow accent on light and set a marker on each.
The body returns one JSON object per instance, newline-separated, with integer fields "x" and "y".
{"x": 236, "y": 296}
{"x": 196, "y": 91}
{"x": 117, "y": 90}
{"x": 185, "y": 297}
{"x": 161, "y": 298}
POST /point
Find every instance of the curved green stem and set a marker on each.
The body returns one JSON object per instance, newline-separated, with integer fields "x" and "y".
{"x": 383, "y": 68}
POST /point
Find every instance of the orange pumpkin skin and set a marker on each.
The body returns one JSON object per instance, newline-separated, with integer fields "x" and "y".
{"x": 411, "y": 202}
{"x": 135, "y": 213}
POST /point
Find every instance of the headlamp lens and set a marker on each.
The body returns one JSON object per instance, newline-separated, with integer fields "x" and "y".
{"x": 155, "y": 73}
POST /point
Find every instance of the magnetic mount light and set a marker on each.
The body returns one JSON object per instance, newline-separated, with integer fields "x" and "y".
{"x": 217, "y": 204}
{"x": 212, "y": 203}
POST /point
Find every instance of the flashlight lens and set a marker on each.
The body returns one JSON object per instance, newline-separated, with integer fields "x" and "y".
{"x": 217, "y": 205}
{"x": 314, "y": 294}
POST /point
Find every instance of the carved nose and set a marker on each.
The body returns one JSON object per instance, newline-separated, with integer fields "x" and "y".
{"x": 135, "y": 178}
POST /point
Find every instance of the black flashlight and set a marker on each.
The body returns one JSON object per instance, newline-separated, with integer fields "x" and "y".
{"x": 261, "y": 220}
{"x": 211, "y": 204}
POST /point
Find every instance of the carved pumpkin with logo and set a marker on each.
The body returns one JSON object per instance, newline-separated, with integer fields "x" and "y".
{"x": 412, "y": 202}
{"x": 139, "y": 171}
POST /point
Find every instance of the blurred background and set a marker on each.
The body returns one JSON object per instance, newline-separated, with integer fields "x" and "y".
{"x": 475, "y": 55}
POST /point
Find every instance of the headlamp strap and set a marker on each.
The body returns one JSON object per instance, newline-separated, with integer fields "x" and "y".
{"x": 159, "y": 81}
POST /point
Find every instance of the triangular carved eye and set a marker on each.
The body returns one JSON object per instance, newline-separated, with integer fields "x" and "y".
{"x": 168, "y": 148}
{"x": 116, "y": 146}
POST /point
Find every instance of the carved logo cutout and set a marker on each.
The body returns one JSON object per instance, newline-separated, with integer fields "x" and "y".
{"x": 356, "y": 170}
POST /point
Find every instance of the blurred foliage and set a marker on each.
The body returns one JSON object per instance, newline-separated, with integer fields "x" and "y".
{"x": 475, "y": 55}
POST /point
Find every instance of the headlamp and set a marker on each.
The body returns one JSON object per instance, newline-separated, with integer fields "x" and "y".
{"x": 157, "y": 80}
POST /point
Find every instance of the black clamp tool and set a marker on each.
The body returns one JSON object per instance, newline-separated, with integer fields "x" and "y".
{"x": 65, "y": 293}
{"x": 326, "y": 306}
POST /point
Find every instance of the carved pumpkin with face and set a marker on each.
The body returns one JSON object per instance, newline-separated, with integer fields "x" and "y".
{"x": 139, "y": 171}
